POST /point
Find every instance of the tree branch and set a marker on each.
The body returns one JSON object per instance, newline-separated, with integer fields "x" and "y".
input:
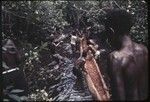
{"x": 117, "y": 4}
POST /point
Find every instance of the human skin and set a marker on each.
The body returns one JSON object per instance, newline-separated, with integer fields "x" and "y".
{"x": 128, "y": 70}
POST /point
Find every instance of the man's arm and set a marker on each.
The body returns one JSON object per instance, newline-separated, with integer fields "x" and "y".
{"x": 144, "y": 81}
{"x": 117, "y": 77}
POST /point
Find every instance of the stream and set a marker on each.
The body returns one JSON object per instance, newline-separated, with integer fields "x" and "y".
{"x": 59, "y": 77}
{"x": 70, "y": 87}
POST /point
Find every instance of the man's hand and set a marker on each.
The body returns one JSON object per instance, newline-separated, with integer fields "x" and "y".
{"x": 80, "y": 62}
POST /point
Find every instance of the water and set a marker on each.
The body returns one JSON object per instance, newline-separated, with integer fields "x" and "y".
{"x": 58, "y": 77}
{"x": 69, "y": 86}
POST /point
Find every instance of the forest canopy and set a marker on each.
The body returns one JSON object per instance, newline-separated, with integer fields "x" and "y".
{"x": 31, "y": 21}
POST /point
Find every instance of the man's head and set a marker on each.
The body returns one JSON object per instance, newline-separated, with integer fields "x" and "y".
{"x": 9, "y": 46}
{"x": 119, "y": 21}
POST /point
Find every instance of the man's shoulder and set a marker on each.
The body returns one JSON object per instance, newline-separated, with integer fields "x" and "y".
{"x": 123, "y": 57}
{"x": 116, "y": 55}
{"x": 141, "y": 48}
{"x": 119, "y": 58}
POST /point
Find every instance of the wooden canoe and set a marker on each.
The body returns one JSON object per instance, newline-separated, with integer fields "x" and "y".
{"x": 93, "y": 75}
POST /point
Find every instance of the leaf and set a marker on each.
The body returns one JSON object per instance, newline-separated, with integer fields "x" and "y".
{"x": 6, "y": 100}
{"x": 45, "y": 44}
{"x": 38, "y": 18}
{"x": 9, "y": 87}
{"x": 45, "y": 48}
{"x": 16, "y": 91}
{"x": 15, "y": 97}
{"x": 24, "y": 98}
{"x": 4, "y": 65}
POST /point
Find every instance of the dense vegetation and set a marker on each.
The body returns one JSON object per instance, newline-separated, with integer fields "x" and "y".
{"x": 33, "y": 24}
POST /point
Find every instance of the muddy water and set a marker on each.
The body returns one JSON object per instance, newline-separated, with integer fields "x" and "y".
{"x": 70, "y": 87}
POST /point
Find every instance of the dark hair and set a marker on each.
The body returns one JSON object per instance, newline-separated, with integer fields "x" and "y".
{"x": 120, "y": 20}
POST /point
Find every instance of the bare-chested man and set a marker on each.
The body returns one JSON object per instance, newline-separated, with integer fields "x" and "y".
{"x": 129, "y": 60}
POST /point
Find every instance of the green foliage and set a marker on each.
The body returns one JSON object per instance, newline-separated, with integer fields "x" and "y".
{"x": 16, "y": 91}
{"x": 40, "y": 95}
{"x": 14, "y": 97}
{"x": 12, "y": 94}
{"x": 4, "y": 65}
{"x": 33, "y": 21}
{"x": 30, "y": 23}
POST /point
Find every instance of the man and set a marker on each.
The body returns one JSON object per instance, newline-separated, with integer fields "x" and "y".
{"x": 128, "y": 62}
{"x": 13, "y": 75}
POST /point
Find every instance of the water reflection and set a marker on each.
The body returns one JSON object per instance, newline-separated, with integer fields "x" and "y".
{"x": 69, "y": 86}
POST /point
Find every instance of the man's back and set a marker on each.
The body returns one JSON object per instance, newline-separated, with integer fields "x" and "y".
{"x": 131, "y": 62}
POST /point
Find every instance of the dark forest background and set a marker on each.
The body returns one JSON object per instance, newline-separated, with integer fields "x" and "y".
{"x": 31, "y": 25}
